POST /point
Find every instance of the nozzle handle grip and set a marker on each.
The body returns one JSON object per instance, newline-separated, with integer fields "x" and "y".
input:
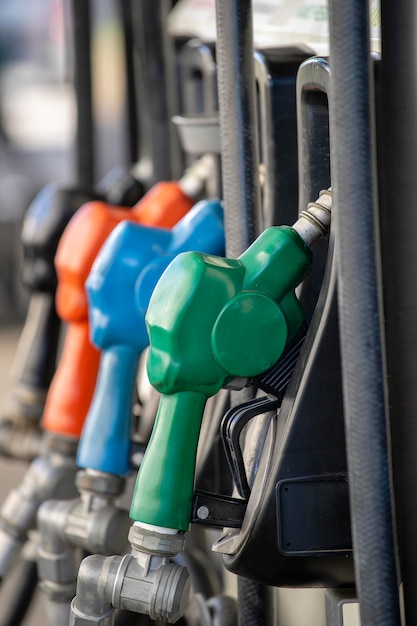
{"x": 119, "y": 288}
{"x": 210, "y": 320}
{"x": 165, "y": 482}
{"x": 72, "y": 387}
{"x": 34, "y": 363}
{"x": 106, "y": 436}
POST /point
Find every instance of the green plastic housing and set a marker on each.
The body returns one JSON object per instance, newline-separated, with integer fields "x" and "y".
{"x": 211, "y": 319}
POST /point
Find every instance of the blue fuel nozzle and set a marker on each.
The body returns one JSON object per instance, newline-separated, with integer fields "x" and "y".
{"x": 119, "y": 288}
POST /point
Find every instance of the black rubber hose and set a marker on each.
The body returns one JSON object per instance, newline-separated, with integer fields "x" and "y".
{"x": 397, "y": 143}
{"x": 252, "y": 603}
{"x": 157, "y": 97}
{"x": 359, "y": 291}
{"x": 23, "y": 592}
{"x": 83, "y": 92}
{"x": 239, "y": 145}
{"x": 131, "y": 102}
{"x": 240, "y": 181}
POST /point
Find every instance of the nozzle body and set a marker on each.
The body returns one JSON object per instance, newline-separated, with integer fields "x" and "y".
{"x": 43, "y": 225}
{"x": 35, "y": 360}
{"x": 73, "y": 385}
{"x": 119, "y": 288}
{"x": 210, "y": 320}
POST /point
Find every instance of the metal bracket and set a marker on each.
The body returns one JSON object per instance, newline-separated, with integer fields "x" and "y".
{"x": 232, "y": 425}
{"x": 216, "y": 510}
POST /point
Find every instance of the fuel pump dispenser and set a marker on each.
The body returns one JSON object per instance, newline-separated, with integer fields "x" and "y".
{"x": 52, "y": 474}
{"x": 211, "y": 321}
{"x": 126, "y": 269}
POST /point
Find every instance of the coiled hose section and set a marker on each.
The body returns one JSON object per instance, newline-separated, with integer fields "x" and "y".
{"x": 359, "y": 286}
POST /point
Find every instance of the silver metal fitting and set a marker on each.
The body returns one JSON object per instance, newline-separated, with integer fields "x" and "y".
{"x": 27, "y": 402}
{"x": 96, "y": 483}
{"x": 20, "y": 437}
{"x": 314, "y": 222}
{"x": 154, "y": 542}
{"x": 49, "y": 476}
{"x": 145, "y": 583}
{"x": 91, "y": 522}
{"x": 194, "y": 180}
{"x": 57, "y": 613}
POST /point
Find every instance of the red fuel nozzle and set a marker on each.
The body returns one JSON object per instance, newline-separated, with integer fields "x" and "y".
{"x": 73, "y": 385}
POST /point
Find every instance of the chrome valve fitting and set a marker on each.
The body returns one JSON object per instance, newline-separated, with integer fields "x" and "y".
{"x": 145, "y": 581}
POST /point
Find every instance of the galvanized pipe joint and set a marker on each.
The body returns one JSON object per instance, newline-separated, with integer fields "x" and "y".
{"x": 92, "y": 522}
{"x": 145, "y": 581}
{"x": 49, "y": 476}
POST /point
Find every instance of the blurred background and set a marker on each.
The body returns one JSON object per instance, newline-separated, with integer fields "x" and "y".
{"x": 38, "y": 115}
{"x": 38, "y": 127}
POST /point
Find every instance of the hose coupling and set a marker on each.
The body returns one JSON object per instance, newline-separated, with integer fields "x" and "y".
{"x": 98, "y": 484}
{"x": 314, "y": 222}
{"x": 51, "y": 475}
{"x": 145, "y": 581}
{"x": 195, "y": 177}
{"x": 92, "y": 522}
{"x": 154, "y": 542}
{"x": 20, "y": 437}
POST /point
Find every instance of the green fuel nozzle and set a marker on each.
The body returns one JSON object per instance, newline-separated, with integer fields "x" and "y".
{"x": 211, "y": 320}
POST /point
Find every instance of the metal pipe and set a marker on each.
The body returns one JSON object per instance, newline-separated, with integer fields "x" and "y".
{"x": 145, "y": 581}
{"x": 50, "y": 475}
{"x": 359, "y": 289}
{"x": 91, "y": 522}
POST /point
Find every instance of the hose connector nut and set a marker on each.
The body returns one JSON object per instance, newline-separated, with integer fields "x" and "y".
{"x": 155, "y": 543}
{"x": 314, "y": 222}
{"x": 99, "y": 483}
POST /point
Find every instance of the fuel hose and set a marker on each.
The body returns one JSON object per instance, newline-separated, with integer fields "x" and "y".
{"x": 81, "y": 16}
{"x": 352, "y": 143}
{"x": 240, "y": 182}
